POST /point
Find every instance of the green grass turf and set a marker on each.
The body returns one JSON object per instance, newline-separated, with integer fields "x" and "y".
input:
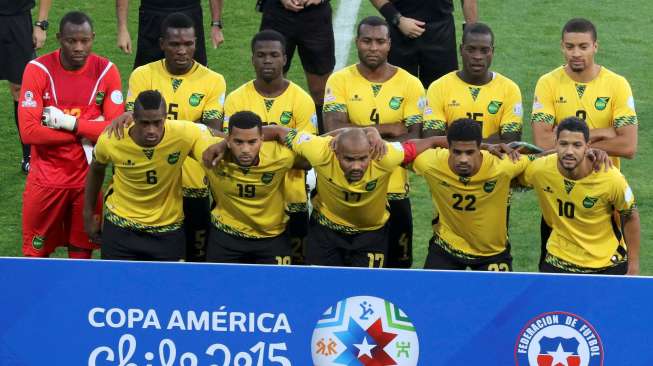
{"x": 527, "y": 45}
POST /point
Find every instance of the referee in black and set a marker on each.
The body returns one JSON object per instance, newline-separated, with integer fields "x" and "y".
{"x": 150, "y": 16}
{"x": 307, "y": 27}
{"x": 423, "y": 35}
{"x": 20, "y": 38}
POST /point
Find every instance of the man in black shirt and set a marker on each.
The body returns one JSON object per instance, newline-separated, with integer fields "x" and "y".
{"x": 19, "y": 39}
{"x": 307, "y": 26}
{"x": 150, "y": 16}
{"x": 423, "y": 35}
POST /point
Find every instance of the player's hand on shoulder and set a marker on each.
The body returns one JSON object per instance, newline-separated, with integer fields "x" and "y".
{"x": 55, "y": 118}
{"x": 501, "y": 149}
{"x": 214, "y": 153}
{"x": 118, "y": 125}
{"x": 600, "y": 159}
{"x": 378, "y": 147}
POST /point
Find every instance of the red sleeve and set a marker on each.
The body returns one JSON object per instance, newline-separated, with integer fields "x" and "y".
{"x": 30, "y": 109}
{"x": 112, "y": 107}
{"x": 410, "y": 152}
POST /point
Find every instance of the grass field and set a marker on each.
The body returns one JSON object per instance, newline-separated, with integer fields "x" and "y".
{"x": 527, "y": 45}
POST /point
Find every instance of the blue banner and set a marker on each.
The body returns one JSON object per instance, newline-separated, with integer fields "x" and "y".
{"x": 67, "y": 312}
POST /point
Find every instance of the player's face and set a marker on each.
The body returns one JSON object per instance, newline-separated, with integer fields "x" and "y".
{"x": 373, "y": 45}
{"x": 354, "y": 158}
{"x": 464, "y": 157}
{"x": 179, "y": 48}
{"x": 268, "y": 59}
{"x": 477, "y": 52}
{"x": 148, "y": 127}
{"x": 76, "y": 42}
{"x": 579, "y": 50}
{"x": 244, "y": 145}
{"x": 571, "y": 148}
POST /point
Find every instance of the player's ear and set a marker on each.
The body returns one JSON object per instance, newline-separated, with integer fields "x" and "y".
{"x": 161, "y": 42}
{"x": 93, "y": 36}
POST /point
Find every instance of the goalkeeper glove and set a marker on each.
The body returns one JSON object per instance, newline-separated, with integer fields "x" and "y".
{"x": 53, "y": 117}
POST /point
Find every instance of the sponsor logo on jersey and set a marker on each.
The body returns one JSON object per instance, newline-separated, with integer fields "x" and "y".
{"x": 488, "y": 187}
{"x": 46, "y": 95}
{"x": 494, "y": 106}
{"x": 116, "y": 97}
{"x": 266, "y": 178}
{"x": 99, "y": 98}
{"x": 28, "y": 101}
{"x": 174, "y": 157}
{"x": 38, "y": 242}
{"x": 286, "y": 117}
{"x": 355, "y": 98}
{"x": 561, "y": 100}
{"x": 195, "y": 99}
{"x": 454, "y": 103}
{"x": 371, "y": 185}
{"x": 601, "y": 103}
{"x": 548, "y": 189}
{"x": 589, "y": 202}
{"x": 395, "y": 102}
{"x": 558, "y": 338}
{"x": 364, "y": 330}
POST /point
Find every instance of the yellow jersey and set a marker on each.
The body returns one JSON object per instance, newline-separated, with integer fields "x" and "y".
{"x": 580, "y": 213}
{"x": 294, "y": 108}
{"x": 146, "y": 193}
{"x": 340, "y": 205}
{"x": 606, "y": 101}
{"x": 250, "y": 200}
{"x": 497, "y": 105}
{"x": 195, "y": 96}
{"x": 399, "y": 99}
{"x": 472, "y": 210}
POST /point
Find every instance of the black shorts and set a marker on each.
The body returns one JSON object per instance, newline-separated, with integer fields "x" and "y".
{"x": 197, "y": 221}
{"x": 429, "y": 56}
{"x": 121, "y": 244}
{"x": 226, "y": 248}
{"x": 438, "y": 258}
{"x": 297, "y": 229}
{"x": 310, "y": 31}
{"x": 400, "y": 236}
{"x": 327, "y": 247}
{"x": 17, "y": 46}
{"x": 149, "y": 31}
{"x": 619, "y": 269}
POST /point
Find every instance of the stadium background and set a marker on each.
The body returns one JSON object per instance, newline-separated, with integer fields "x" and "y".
{"x": 527, "y": 45}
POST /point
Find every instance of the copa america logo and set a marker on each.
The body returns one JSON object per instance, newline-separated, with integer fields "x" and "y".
{"x": 364, "y": 330}
{"x": 558, "y": 339}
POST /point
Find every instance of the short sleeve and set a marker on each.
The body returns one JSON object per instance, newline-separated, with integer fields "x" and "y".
{"x": 214, "y": 107}
{"x": 137, "y": 84}
{"x": 513, "y": 113}
{"x": 624, "y": 105}
{"x": 101, "y": 150}
{"x": 434, "y": 115}
{"x": 316, "y": 149}
{"x": 393, "y": 157}
{"x": 623, "y": 198}
{"x": 335, "y": 98}
{"x": 305, "y": 112}
{"x": 423, "y": 161}
{"x": 230, "y": 108}
{"x": 543, "y": 104}
{"x": 415, "y": 102}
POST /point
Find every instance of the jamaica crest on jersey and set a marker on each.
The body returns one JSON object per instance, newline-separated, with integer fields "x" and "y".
{"x": 174, "y": 157}
{"x": 488, "y": 187}
{"x": 370, "y": 185}
{"x": 266, "y": 178}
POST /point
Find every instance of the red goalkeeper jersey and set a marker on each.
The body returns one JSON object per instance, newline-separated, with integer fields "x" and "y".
{"x": 90, "y": 93}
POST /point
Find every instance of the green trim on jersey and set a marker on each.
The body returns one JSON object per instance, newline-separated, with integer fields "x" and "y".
{"x": 195, "y": 192}
{"x": 626, "y": 121}
{"x": 570, "y": 267}
{"x": 413, "y": 120}
{"x": 133, "y": 226}
{"x": 511, "y": 127}
{"x": 435, "y": 125}
{"x": 335, "y": 107}
{"x": 543, "y": 117}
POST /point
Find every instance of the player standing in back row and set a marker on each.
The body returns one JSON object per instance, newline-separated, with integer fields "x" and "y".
{"x": 71, "y": 87}
{"x": 375, "y": 93}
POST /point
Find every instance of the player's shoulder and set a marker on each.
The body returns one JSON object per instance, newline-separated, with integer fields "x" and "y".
{"x": 430, "y": 158}
{"x": 297, "y": 90}
{"x": 242, "y": 90}
{"x": 276, "y": 152}
{"x": 207, "y": 75}
{"x": 44, "y": 63}
{"x": 505, "y": 81}
{"x": 612, "y": 77}
{"x": 444, "y": 82}
{"x": 409, "y": 79}
{"x": 554, "y": 76}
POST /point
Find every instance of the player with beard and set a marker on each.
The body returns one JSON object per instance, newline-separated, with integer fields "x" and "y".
{"x": 589, "y": 91}
{"x": 278, "y": 101}
{"x": 578, "y": 203}
{"x": 376, "y": 93}
{"x": 475, "y": 92}
{"x": 144, "y": 216}
{"x": 64, "y": 94}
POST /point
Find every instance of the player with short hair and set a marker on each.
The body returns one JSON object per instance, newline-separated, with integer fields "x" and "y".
{"x": 376, "y": 93}
{"x": 249, "y": 221}
{"x": 587, "y": 90}
{"x": 475, "y": 92}
{"x": 70, "y": 89}
{"x": 193, "y": 92}
{"x": 278, "y": 101}
{"x": 144, "y": 215}
{"x": 578, "y": 203}
{"x": 470, "y": 190}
